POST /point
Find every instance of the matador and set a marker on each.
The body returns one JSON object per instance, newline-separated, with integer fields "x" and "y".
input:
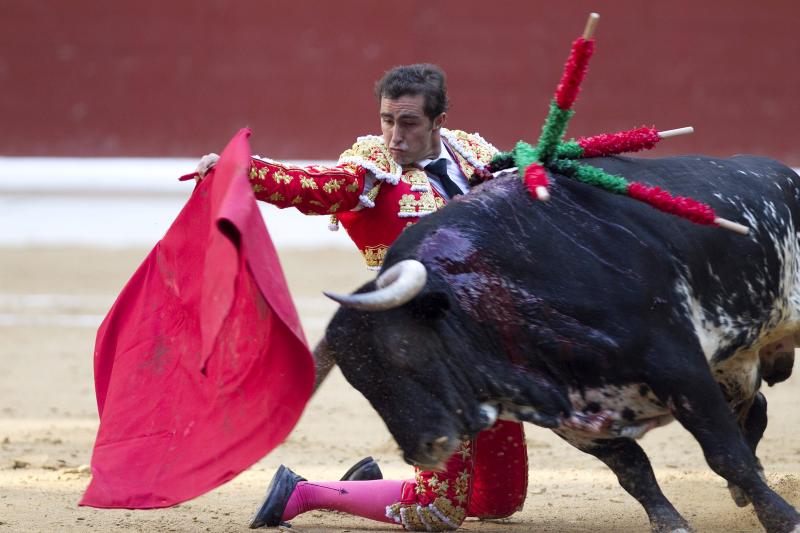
{"x": 381, "y": 185}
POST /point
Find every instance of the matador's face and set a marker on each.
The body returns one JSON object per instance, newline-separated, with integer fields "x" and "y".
{"x": 409, "y": 134}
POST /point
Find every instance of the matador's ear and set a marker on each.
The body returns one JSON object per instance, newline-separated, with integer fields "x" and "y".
{"x": 438, "y": 122}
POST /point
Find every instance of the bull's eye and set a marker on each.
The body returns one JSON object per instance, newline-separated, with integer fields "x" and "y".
{"x": 431, "y": 306}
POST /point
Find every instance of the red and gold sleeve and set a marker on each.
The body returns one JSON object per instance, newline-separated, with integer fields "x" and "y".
{"x": 314, "y": 190}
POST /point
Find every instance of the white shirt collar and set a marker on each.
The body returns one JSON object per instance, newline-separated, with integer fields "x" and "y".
{"x": 453, "y": 171}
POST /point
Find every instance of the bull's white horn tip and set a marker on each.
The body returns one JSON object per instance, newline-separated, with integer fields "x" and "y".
{"x": 333, "y": 296}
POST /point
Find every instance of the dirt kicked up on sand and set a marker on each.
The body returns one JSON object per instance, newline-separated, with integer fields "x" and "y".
{"x": 51, "y": 302}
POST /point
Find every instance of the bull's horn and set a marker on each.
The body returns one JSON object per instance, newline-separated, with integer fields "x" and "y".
{"x": 398, "y": 285}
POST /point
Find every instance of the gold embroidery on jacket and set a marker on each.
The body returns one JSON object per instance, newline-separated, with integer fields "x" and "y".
{"x": 372, "y": 150}
{"x": 416, "y": 178}
{"x": 353, "y": 187}
{"x": 468, "y": 169}
{"x": 257, "y": 187}
{"x": 408, "y": 204}
{"x": 297, "y": 200}
{"x": 373, "y": 255}
{"x": 276, "y": 197}
{"x": 281, "y": 176}
{"x": 332, "y": 185}
{"x": 308, "y": 183}
{"x": 480, "y": 150}
{"x": 426, "y": 203}
{"x": 373, "y": 192}
{"x": 334, "y": 207}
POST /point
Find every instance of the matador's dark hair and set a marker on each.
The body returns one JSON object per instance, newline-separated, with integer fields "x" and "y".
{"x": 410, "y": 80}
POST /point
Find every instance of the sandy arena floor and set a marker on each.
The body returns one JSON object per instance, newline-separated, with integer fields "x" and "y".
{"x": 48, "y": 422}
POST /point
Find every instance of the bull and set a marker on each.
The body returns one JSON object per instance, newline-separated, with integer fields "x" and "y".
{"x": 591, "y": 314}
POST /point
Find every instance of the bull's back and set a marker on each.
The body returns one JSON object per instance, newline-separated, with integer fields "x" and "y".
{"x": 614, "y": 263}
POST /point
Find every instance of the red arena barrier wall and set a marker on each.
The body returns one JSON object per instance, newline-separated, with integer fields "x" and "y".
{"x": 178, "y": 78}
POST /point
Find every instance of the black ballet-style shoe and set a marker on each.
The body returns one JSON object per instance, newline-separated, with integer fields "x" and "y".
{"x": 366, "y": 469}
{"x": 278, "y": 493}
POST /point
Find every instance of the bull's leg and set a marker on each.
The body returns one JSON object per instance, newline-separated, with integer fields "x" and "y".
{"x": 629, "y": 462}
{"x": 753, "y": 421}
{"x": 698, "y": 404}
{"x": 323, "y": 362}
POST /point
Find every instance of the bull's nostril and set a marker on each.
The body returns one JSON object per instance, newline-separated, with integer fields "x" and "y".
{"x": 489, "y": 414}
{"x": 438, "y": 444}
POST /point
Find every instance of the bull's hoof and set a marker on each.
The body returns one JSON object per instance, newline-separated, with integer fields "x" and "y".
{"x": 672, "y": 523}
{"x": 738, "y": 495}
{"x": 678, "y": 529}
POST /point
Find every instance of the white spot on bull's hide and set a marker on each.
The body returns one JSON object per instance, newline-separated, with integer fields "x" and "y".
{"x": 712, "y": 337}
{"x": 715, "y": 327}
{"x": 630, "y": 410}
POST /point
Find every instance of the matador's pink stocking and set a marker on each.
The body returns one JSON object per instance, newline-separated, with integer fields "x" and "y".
{"x": 367, "y": 499}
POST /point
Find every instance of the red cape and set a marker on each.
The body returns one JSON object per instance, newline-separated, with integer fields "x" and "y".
{"x": 201, "y": 366}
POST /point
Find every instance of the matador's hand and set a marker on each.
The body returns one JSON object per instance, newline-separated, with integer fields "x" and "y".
{"x": 205, "y": 164}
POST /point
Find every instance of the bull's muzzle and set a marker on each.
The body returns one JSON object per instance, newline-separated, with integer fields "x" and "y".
{"x": 398, "y": 285}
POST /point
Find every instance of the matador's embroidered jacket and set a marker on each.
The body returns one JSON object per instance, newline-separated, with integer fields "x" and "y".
{"x": 372, "y": 196}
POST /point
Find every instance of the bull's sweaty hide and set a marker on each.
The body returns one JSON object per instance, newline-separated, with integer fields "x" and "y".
{"x": 201, "y": 366}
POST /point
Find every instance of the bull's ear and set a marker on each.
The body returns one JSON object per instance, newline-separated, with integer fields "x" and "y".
{"x": 431, "y": 305}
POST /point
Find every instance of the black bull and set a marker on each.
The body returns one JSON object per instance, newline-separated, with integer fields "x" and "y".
{"x": 597, "y": 316}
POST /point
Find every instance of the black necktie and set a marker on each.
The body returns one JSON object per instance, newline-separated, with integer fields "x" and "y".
{"x": 439, "y": 169}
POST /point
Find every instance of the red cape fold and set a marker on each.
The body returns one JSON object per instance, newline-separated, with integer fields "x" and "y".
{"x": 201, "y": 366}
